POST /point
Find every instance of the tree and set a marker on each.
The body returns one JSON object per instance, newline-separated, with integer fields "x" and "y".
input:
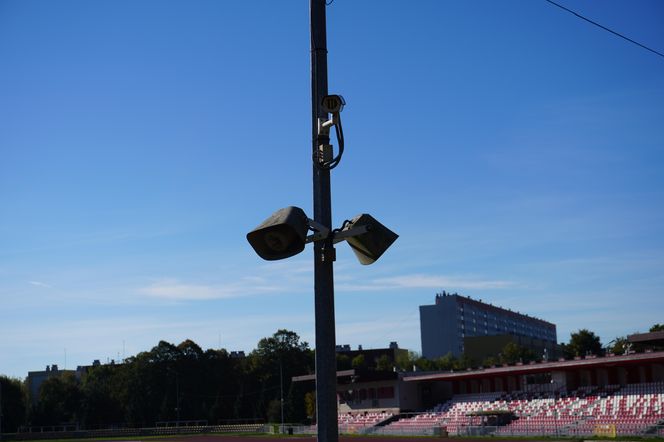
{"x": 13, "y": 404}
{"x": 447, "y": 362}
{"x": 384, "y": 363}
{"x": 102, "y": 391}
{"x": 59, "y": 400}
{"x": 424, "y": 364}
{"x": 463, "y": 362}
{"x": 491, "y": 361}
{"x": 171, "y": 381}
{"x": 358, "y": 361}
{"x": 190, "y": 350}
{"x": 510, "y": 354}
{"x": 406, "y": 359}
{"x": 657, "y": 327}
{"x": 274, "y": 411}
{"x": 343, "y": 362}
{"x": 513, "y": 353}
{"x": 296, "y": 410}
{"x": 279, "y": 343}
{"x": 273, "y": 364}
{"x": 582, "y": 343}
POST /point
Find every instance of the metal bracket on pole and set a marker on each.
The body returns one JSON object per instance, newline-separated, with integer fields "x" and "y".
{"x": 321, "y": 234}
{"x": 325, "y": 153}
{"x": 325, "y": 125}
{"x": 354, "y": 231}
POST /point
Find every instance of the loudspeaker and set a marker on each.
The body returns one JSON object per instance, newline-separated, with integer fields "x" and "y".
{"x": 280, "y": 236}
{"x": 369, "y": 246}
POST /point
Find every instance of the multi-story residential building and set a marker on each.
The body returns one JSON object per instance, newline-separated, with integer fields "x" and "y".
{"x": 453, "y": 318}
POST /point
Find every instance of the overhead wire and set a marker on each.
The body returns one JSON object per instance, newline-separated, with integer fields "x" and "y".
{"x": 605, "y": 28}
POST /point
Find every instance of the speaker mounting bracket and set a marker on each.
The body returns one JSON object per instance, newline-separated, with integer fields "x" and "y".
{"x": 320, "y": 232}
{"x": 354, "y": 231}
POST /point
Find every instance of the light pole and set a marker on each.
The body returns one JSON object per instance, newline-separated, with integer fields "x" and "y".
{"x": 174, "y": 371}
{"x": 281, "y": 379}
{"x": 281, "y": 388}
{"x": 177, "y": 399}
{"x": 326, "y": 366}
{"x": 284, "y": 234}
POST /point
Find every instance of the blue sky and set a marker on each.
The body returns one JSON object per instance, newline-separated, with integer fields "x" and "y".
{"x": 516, "y": 149}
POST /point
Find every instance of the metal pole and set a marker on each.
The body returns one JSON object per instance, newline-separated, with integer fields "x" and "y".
{"x": 177, "y": 398}
{"x": 281, "y": 389}
{"x": 0, "y": 409}
{"x": 326, "y": 395}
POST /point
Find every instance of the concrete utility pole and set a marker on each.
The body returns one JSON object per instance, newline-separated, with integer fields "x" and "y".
{"x": 324, "y": 254}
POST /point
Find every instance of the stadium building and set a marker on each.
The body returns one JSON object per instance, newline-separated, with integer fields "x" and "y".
{"x": 613, "y": 395}
{"x": 458, "y": 324}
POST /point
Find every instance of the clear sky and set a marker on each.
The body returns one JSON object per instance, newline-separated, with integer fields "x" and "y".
{"x": 516, "y": 149}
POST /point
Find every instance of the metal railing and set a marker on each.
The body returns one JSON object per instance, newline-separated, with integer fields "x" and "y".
{"x": 53, "y": 433}
{"x": 580, "y": 429}
{"x": 602, "y": 431}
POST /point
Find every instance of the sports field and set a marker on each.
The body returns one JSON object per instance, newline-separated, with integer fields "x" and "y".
{"x": 224, "y": 438}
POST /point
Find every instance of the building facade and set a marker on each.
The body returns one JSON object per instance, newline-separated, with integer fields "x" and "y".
{"x": 453, "y": 318}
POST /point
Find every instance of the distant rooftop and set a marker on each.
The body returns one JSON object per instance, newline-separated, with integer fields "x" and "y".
{"x": 480, "y": 303}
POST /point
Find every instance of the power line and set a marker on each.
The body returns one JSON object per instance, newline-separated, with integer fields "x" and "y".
{"x": 606, "y": 29}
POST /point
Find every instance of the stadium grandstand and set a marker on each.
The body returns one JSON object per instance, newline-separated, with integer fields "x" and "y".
{"x": 611, "y": 396}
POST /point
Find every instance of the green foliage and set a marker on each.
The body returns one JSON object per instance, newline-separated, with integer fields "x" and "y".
{"x": 102, "y": 400}
{"x": 424, "y": 364}
{"x": 358, "y": 361}
{"x": 582, "y": 343}
{"x": 447, "y": 362}
{"x": 170, "y": 382}
{"x": 405, "y": 360}
{"x": 274, "y": 411}
{"x": 60, "y": 401}
{"x": 343, "y": 362}
{"x": 384, "y": 363}
{"x": 295, "y": 407}
{"x": 275, "y": 361}
{"x": 618, "y": 345}
{"x": 13, "y": 404}
{"x": 656, "y": 328}
{"x": 491, "y": 361}
{"x": 513, "y": 353}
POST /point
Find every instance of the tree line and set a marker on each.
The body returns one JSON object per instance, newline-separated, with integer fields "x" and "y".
{"x": 170, "y": 383}
{"x": 182, "y": 382}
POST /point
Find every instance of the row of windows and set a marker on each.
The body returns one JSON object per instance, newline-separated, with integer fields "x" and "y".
{"x": 497, "y": 326}
{"x": 505, "y": 321}
{"x": 508, "y": 325}
{"x": 367, "y": 393}
{"x": 499, "y": 318}
{"x": 473, "y": 331}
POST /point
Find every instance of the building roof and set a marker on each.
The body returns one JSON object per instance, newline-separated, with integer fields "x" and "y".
{"x": 354, "y": 375}
{"x": 494, "y": 308}
{"x": 655, "y": 338}
{"x": 542, "y": 367}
